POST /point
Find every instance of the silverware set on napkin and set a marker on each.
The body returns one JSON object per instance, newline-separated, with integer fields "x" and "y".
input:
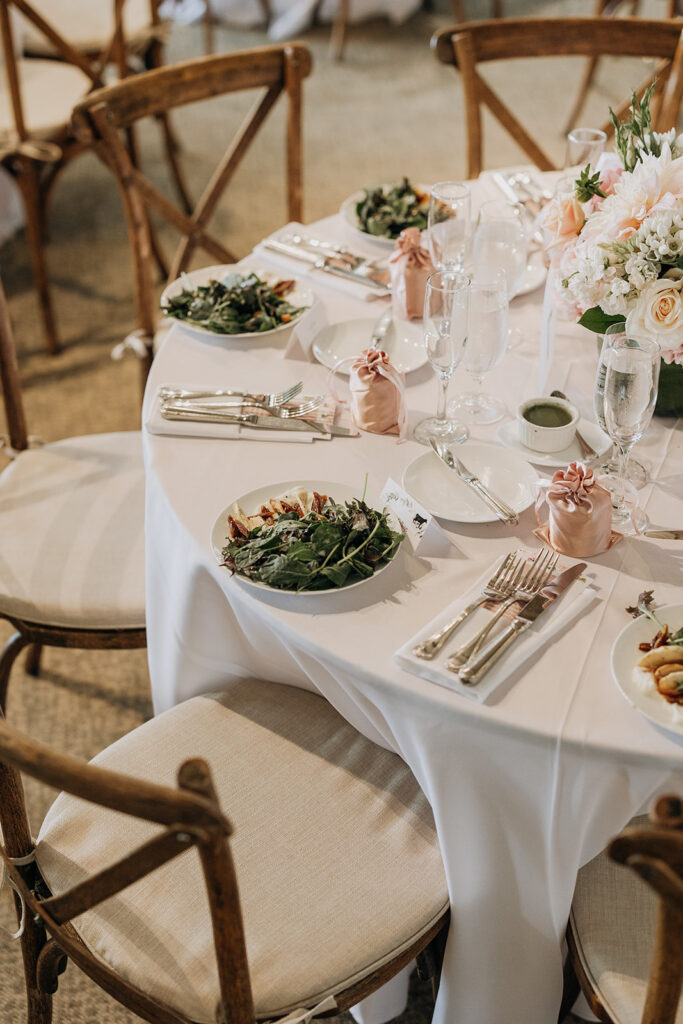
{"x": 516, "y": 579}
{"x": 235, "y": 407}
{"x": 335, "y": 260}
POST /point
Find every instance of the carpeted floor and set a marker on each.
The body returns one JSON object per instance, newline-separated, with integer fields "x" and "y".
{"x": 387, "y": 110}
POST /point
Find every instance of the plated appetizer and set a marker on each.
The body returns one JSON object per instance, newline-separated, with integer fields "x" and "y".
{"x": 387, "y": 210}
{"x": 304, "y": 540}
{"x": 235, "y": 304}
{"x": 662, "y": 665}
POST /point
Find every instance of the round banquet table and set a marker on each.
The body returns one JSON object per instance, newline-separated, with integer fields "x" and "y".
{"x": 526, "y": 787}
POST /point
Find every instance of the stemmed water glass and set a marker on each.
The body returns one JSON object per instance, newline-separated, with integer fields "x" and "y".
{"x": 448, "y": 223}
{"x": 631, "y": 380}
{"x": 585, "y": 146}
{"x": 636, "y": 473}
{"x": 500, "y": 244}
{"x": 446, "y": 316}
{"x": 486, "y": 344}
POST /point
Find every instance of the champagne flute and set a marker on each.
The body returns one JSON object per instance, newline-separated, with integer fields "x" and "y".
{"x": 631, "y": 380}
{"x": 446, "y": 316}
{"x": 486, "y": 345}
{"x": 636, "y": 472}
{"x": 585, "y": 146}
{"x": 448, "y": 223}
{"x": 500, "y": 244}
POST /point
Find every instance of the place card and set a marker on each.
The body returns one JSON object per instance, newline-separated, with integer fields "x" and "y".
{"x": 305, "y": 332}
{"x": 408, "y": 517}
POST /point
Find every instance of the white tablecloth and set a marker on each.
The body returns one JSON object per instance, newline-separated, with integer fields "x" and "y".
{"x": 525, "y": 788}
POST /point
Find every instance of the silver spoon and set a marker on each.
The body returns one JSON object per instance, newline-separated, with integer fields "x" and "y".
{"x": 588, "y": 451}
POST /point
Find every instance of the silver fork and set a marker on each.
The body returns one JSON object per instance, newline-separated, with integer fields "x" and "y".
{"x": 497, "y": 588}
{"x": 533, "y": 578}
{"x": 280, "y": 412}
{"x": 267, "y": 400}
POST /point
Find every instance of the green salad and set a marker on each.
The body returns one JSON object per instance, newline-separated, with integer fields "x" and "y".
{"x": 387, "y": 210}
{"x": 330, "y": 545}
{"x": 237, "y": 304}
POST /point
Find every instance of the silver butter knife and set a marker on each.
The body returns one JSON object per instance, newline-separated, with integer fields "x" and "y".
{"x": 477, "y": 667}
{"x": 169, "y": 412}
{"x": 379, "y": 331}
{"x": 664, "y": 534}
{"x": 503, "y": 511}
{"x": 323, "y": 263}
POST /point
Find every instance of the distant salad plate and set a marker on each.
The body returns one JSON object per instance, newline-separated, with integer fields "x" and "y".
{"x": 403, "y": 343}
{"x": 636, "y": 683}
{"x": 444, "y": 494}
{"x": 303, "y": 537}
{"x": 382, "y": 212}
{"x": 236, "y": 301}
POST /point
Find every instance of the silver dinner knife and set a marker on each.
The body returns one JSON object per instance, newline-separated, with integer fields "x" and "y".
{"x": 323, "y": 263}
{"x": 477, "y": 667}
{"x": 379, "y": 331}
{"x": 170, "y": 412}
{"x": 503, "y": 511}
{"x": 664, "y": 534}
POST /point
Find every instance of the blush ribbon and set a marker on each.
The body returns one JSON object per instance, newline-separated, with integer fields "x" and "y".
{"x": 376, "y": 362}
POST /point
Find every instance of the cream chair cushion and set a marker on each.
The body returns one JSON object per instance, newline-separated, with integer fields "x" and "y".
{"x": 86, "y": 24}
{"x": 72, "y": 533}
{"x": 613, "y": 921}
{"x": 335, "y": 849}
{"x": 49, "y": 90}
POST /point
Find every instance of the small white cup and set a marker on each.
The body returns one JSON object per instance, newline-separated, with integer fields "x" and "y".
{"x": 547, "y": 439}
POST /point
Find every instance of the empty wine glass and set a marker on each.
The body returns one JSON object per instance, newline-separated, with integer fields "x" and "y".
{"x": 486, "y": 344}
{"x": 636, "y": 472}
{"x": 631, "y": 380}
{"x": 585, "y": 146}
{"x": 500, "y": 244}
{"x": 445, "y": 323}
{"x": 448, "y": 222}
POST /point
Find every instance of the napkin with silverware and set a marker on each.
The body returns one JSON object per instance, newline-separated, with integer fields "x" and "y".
{"x": 568, "y": 607}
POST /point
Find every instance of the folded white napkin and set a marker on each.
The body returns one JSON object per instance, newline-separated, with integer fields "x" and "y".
{"x": 302, "y": 268}
{"x": 572, "y": 603}
{"x": 156, "y": 424}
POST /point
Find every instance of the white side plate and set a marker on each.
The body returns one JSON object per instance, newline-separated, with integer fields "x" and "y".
{"x": 403, "y": 343}
{"x": 508, "y": 435}
{"x": 624, "y": 658}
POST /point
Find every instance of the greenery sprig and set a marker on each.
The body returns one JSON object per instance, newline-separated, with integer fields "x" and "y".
{"x": 586, "y": 185}
{"x": 634, "y": 138}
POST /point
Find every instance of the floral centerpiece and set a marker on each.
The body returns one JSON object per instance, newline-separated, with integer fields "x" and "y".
{"x": 616, "y": 243}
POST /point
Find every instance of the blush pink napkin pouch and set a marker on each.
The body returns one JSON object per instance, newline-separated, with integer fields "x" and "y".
{"x": 580, "y": 513}
{"x": 378, "y": 401}
{"x": 410, "y": 265}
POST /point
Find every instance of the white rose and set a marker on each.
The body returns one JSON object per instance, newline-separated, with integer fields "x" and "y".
{"x": 658, "y": 313}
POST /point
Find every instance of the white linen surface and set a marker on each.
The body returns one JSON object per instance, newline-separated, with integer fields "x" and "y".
{"x": 525, "y": 788}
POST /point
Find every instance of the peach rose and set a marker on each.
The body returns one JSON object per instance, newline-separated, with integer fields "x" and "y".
{"x": 562, "y": 219}
{"x": 658, "y": 313}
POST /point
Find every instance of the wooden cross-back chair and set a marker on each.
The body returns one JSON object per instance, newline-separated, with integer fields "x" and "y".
{"x": 71, "y": 535}
{"x": 625, "y": 944}
{"x": 37, "y": 142}
{"x": 611, "y": 9}
{"x": 337, "y": 882}
{"x": 100, "y": 117}
{"x": 466, "y": 47}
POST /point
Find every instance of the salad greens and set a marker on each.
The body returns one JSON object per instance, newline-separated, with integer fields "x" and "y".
{"x": 238, "y": 304}
{"x": 387, "y": 210}
{"x": 335, "y": 547}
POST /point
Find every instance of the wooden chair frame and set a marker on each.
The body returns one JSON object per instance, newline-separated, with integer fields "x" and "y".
{"x": 33, "y": 635}
{"x": 190, "y": 817}
{"x": 100, "y": 118}
{"x": 655, "y": 852}
{"x": 34, "y": 164}
{"x": 466, "y": 46}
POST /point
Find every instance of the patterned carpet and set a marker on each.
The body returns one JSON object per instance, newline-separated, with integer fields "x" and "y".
{"x": 391, "y": 109}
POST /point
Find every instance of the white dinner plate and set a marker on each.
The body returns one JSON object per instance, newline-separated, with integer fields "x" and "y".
{"x": 596, "y": 438}
{"x": 625, "y": 657}
{"x": 403, "y": 343}
{"x": 443, "y": 493}
{"x": 348, "y": 212}
{"x": 301, "y": 295}
{"x": 252, "y": 501}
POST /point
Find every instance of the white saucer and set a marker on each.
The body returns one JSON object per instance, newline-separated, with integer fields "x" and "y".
{"x": 403, "y": 343}
{"x": 507, "y": 435}
{"x": 443, "y": 493}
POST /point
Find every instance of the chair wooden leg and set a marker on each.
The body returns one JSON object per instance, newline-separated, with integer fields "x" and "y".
{"x": 39, "y": 1003}
{"x": 28, "y": 180}
{"x": 459, "y": 11}
{"x": 33, "y": 656}
{"x": 172, "y": 150}
{"x": 338, "y": 36}
{"x": 11, "y": 652}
